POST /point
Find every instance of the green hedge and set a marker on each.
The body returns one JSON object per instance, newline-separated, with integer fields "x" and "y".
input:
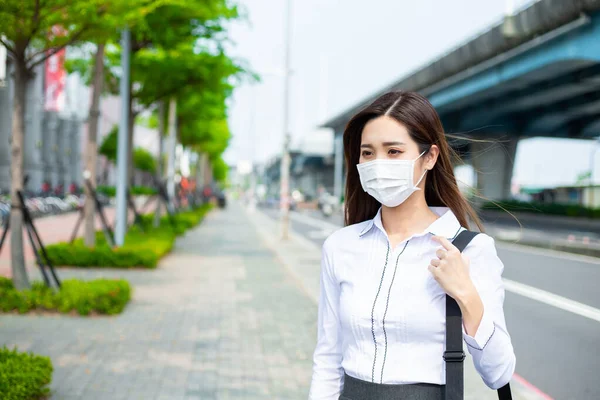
{"x": 111, "y": 191}
{"x": 141, "y": 249}
{"x": 23, "y": 376}
{"x": 569, "y": 210}
{"x": 103, "y": 296}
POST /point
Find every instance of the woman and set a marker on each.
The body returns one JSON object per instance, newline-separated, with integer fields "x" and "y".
{"x": 385, "y": 276}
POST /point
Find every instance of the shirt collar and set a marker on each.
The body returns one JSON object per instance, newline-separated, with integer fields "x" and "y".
{"x": 446, "y": 225}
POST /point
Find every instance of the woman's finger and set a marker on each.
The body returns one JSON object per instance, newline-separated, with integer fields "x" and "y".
{"x": 441, "y": 253}
{"x": 445, "y": 242}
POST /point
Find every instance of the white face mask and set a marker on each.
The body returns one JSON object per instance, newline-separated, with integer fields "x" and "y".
{"x": 390, "y": 182}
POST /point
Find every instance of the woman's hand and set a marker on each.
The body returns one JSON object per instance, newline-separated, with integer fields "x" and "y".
{"x": 451, "y": 270}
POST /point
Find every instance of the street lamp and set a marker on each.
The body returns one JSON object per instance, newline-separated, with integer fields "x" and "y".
{"x": 285, "y": 157}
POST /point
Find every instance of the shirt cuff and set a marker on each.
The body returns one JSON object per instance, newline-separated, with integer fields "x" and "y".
{"x": 484, "y": 333}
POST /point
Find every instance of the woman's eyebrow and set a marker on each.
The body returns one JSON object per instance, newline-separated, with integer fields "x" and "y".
{"x": 388, "y": 144}
{"x": 385, "y": 144}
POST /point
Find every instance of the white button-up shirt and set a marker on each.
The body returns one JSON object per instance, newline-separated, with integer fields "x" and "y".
{"x": 382, "y": 314}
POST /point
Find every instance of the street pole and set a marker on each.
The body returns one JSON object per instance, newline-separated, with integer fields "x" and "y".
{"x": 172, "y": 144}
{"x": 252, "y": 127}
{"x": 285, "y": 157}
{"x": 121, "y": 223}
{"x": 592, "y": 168}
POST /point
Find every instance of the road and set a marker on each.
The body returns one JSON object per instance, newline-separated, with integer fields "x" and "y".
{"x": 557, "y": 347}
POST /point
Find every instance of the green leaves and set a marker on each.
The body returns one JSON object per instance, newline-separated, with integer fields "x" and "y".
{"x": 144, "y": 160}
{"x": 108, "y": 148}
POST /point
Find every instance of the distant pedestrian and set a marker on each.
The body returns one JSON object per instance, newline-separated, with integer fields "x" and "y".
{"x": 385, "y": 276}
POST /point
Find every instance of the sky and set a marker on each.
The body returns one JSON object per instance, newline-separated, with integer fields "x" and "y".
{"x": 343, "y": 51}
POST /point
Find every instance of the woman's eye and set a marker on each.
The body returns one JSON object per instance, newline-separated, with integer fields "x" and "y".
{"x": 394, "y": 152}
{"x": 366, "y": 153}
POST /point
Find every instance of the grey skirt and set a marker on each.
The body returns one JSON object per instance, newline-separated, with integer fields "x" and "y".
{"x": 356, "y": 389}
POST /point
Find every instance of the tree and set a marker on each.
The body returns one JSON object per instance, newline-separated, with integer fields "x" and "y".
{"x": 191, "y": 22}
{"x": 122, "y": 13}
{"x": 167, "y": 27}
{"x": 91, "y": 151}
{"x": 32, "y": 31}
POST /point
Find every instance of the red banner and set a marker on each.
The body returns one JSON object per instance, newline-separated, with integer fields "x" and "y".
{"x": 56, "y": 76}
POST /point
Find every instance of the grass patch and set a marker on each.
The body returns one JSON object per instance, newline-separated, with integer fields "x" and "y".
{"x": 142, "y": 248}
{"x": 101, "y": 296}
{"x": 23, "y": 376}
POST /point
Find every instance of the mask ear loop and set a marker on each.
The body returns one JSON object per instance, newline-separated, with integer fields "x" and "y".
{"x": 424, "y": 173}
{"x": 420, "y": 179}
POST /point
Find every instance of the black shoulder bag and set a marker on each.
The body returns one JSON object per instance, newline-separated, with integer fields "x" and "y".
{"x": 454, "y": 354}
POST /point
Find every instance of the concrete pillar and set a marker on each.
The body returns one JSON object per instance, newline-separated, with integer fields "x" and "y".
{"x": 34, "y": 112}
{"x": 74, "y": 153}
{"x": 338, "y": 172}
{"x": 52, "y": 124}
{"x": 5, "y": 133}
{"x": 62, "y": 135}
{"x": 493, "y": 164}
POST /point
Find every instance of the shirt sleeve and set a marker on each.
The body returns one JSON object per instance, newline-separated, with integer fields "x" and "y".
{"x": 328, "y": 374}
{"x": 491, "y": 347}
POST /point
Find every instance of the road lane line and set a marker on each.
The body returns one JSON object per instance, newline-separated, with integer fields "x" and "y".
{"x": 538, "y": 251}
{"x": 552, "y": 299}
{"x": 314, "y": 222}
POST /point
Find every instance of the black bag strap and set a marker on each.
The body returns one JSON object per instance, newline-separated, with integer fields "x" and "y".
{"x": 454, "y": 355}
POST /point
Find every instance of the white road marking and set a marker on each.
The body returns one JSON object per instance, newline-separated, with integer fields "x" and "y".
{"x": 314, "y": 222}
{"x": 552, "y": 299}
{"x": 322, "y": 234}
{"x": 563, "y": 255}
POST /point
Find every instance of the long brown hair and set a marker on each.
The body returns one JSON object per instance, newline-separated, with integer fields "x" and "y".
{"x": 421, "y": 120}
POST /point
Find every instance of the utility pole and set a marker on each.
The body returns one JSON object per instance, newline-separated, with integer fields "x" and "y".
{"x": 592, "y": 189}
{"x": 122, "y": 181}
{"x": 172, "y": 144}
{"x": 285, "y": 157}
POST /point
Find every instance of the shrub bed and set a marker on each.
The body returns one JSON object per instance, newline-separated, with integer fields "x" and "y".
{"x": 142, "y": 248}
{"x": 111, "y": 191}
{"x": 101, "y": 296}
{"x": 23, "y": 376}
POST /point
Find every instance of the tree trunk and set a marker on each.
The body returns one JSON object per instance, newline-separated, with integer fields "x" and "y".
{"x": 159, "y": 164}
{"x": 130, "y": 167}
{"x": 91, "y": 152}
{"x": 17, "y": 258}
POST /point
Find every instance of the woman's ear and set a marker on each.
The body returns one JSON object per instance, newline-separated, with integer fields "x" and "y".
{"x": 431, "y": 157}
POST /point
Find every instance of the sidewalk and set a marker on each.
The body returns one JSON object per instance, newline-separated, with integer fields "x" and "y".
{"x": 220, "y": 318}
